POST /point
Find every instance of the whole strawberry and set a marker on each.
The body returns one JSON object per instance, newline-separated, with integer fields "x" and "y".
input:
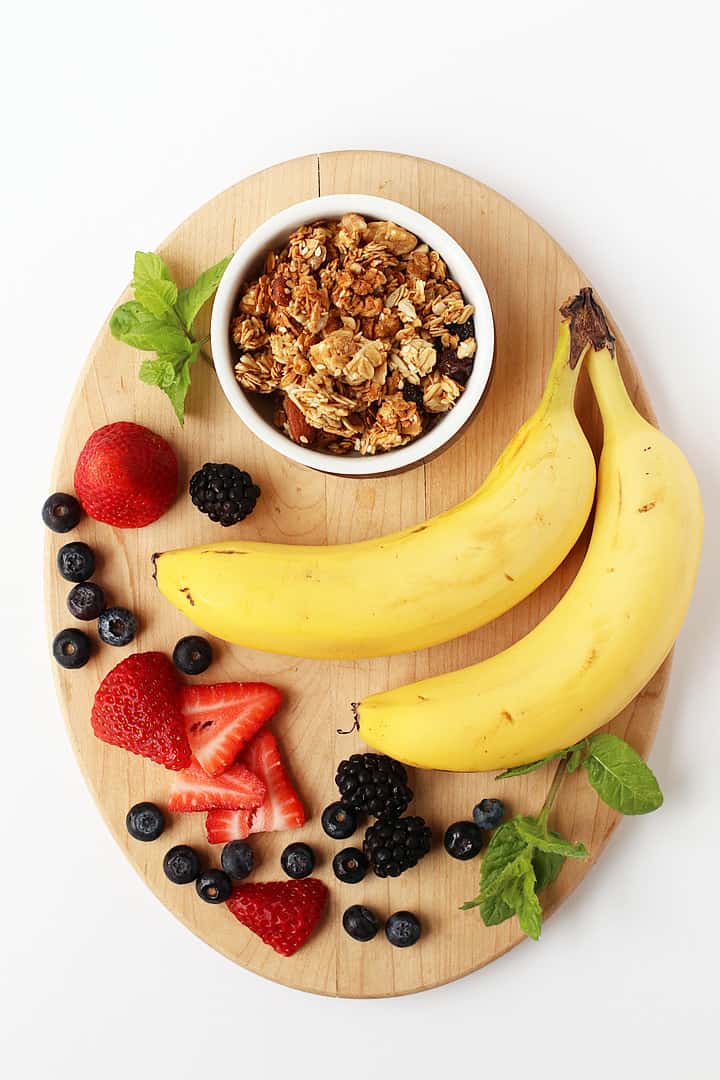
{"x": 282, "y": 913}
{"x": 137, "y": 706}
{"x": 126, "y": 475}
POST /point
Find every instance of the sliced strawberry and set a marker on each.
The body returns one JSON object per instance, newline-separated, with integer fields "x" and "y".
{"x": 222, "y": 826}
{"x": 236, "y": 789}
{"x": 281, "y": 808}
{"x": 220, "y": 719}
{"x": 282, "y": 913}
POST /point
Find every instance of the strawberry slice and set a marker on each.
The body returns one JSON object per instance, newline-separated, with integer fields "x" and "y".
{"x": 222, "y": 826}
{"x": 282, "y": 913}
{"x": 236, "y": 789}
{"x": 220, "y": 719}
{"x": 281, "y": 808}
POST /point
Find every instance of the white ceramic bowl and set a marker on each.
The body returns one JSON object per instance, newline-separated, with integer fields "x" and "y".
{"x": 255, "y": 410}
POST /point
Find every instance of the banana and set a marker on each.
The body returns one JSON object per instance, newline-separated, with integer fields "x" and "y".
{"x": 603, "y": 641}
{"x": 414, "y": 588}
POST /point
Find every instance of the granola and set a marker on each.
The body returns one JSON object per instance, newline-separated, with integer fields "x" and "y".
{"x": 359, "y": 331}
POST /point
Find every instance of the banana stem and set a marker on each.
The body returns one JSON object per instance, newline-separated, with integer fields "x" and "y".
{"x": 552, "y": 792}
{"x": 609, "y": 388}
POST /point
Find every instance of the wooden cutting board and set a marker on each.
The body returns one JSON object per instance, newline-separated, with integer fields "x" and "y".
{"x": 527, "y": 276}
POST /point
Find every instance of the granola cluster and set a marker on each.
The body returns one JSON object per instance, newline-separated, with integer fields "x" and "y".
{"x": 359, "y": 331}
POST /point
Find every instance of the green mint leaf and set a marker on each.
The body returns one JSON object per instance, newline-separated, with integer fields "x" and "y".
{"x": 154, "y": 288}
{"x": 158, "y": 372}
{"x": 506, "y": 859}
{"x": 547, "y": 866}
{"x": 138, "y": 327}
{"x": 177, "y": 391}
{"x": 575, "y": 760}
{"x": 522, "y": 770}
{"x": 189, "y": 301}
{"x": 620, "y": 776}
{"x": 533, "y": 833}
{"x": 523, "y": 899}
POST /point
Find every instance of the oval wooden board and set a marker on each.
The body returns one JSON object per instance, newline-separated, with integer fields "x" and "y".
{"x": 527, "y": 276}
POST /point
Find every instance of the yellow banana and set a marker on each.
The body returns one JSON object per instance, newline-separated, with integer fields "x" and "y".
{"x": 602, "y": 642}
{"x": 414, "y": 588}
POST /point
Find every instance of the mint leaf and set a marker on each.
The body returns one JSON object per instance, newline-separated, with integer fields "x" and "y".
{"x": 177, "y": 391}
{"x": 575, "y": 759}
{"x": 154, "y": 288}
{"x": 138, "y": 327}
{"x": 620, "y": 776}
{"x": 523, "y": 898}
{"x": 158, "y": 372}
{"x": 189, "y": 301}
{"x": 547, "y": 866}
{"x": 506, "y": 860}
{"x": 522, "y": 770}
{"x": 532, "y": 832}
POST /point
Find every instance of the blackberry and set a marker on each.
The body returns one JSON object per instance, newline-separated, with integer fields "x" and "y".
{"x": 393, "y": 845}
{"x": 61, "y": 512}
{"x": 374, "y": 784}
{"x": 413, "y": 393}
{"x": 463, "y": 331}
{"x": 76, "y": 561}
{"x": 223, "y": 492}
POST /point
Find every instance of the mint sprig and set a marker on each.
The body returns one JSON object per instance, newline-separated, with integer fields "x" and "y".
{"x": 160, "y": 319}
{"x": 524, "y": 856}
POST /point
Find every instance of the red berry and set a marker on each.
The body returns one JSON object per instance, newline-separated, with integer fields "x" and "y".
{"x": 126, "y": 475}
{"x": 221, "y": 719}
{"x": 137, "y": 706}
{"x": 236, "y": 789}
{"x": 282, "y": 913}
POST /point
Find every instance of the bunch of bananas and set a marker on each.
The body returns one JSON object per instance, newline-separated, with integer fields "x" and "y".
{"x": 577, "y": 669}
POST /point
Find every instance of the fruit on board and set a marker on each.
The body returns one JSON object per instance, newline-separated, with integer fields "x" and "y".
{"x": 145, "y": 821}
{"x": 76, "y": 561}
{"x": 213, "y": 886}
{"x": 488, "y": 813}
{"x": 71, "y": 648}
{"x": 236, "y": 789}
{"x": 237, "y": 859}
{"x": 403, "y": 929}
{"x": 298, "y": 861}
{"x": 225, "y": 493}
{"x": 281, "y": 808}
{"x": 221, "y": 719}
{"x": 463, "y": 840}
{"x": 192, "y": 655}
{"x": 86, "y": 601}
{"x": 117, "y": 626}
{"x": 350, "y": 865}
{"x": 426, "y": 584}
{"x": 608, "y": 635}
{"x": 181, "y": 864}
{"x": 137, "y": 707}
{"x": 394, "y": 845}
{"x": 373, "y": 784}
{"x": 61, "y": 512}
{"x": 282, "y": 913}
{"x": 360, "y": 922}
{"x": 339, "y": 821}
{"x": 126, "y": 475}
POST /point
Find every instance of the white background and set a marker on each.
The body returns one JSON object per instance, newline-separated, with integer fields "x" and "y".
{"x": 599, "y": 119}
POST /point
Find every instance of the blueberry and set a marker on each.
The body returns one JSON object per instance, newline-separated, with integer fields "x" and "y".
{"x": 192, "y": 655}
{"x": 145, "y": 821}
{"x": 61, "y": 512}
{"x": 76, "y": 561}
{"x": 403, "y": 929}
{"x": 488, "y": 813}
{"x": 360, "y": 923}
{"x": 297, "y": 860}
{"x": 350, "y": 865}
{"x": 71, "y": 648}
{"x": 339, "y": 821}
{"x": 237, "y": 859}
{"x": 117, "y": 626}
{"x": 181, "y": 864}
{"x": 463, "y": 840}
{"x": 86, "y": 601}
{"x": 213, "y": 886}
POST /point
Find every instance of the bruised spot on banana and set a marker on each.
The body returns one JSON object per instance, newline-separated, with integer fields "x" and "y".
{"x": 423, "y": 585}
{"x": 604, "y": 640}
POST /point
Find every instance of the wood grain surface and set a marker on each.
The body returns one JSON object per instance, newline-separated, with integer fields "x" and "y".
{"x": 527, "y": 276}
